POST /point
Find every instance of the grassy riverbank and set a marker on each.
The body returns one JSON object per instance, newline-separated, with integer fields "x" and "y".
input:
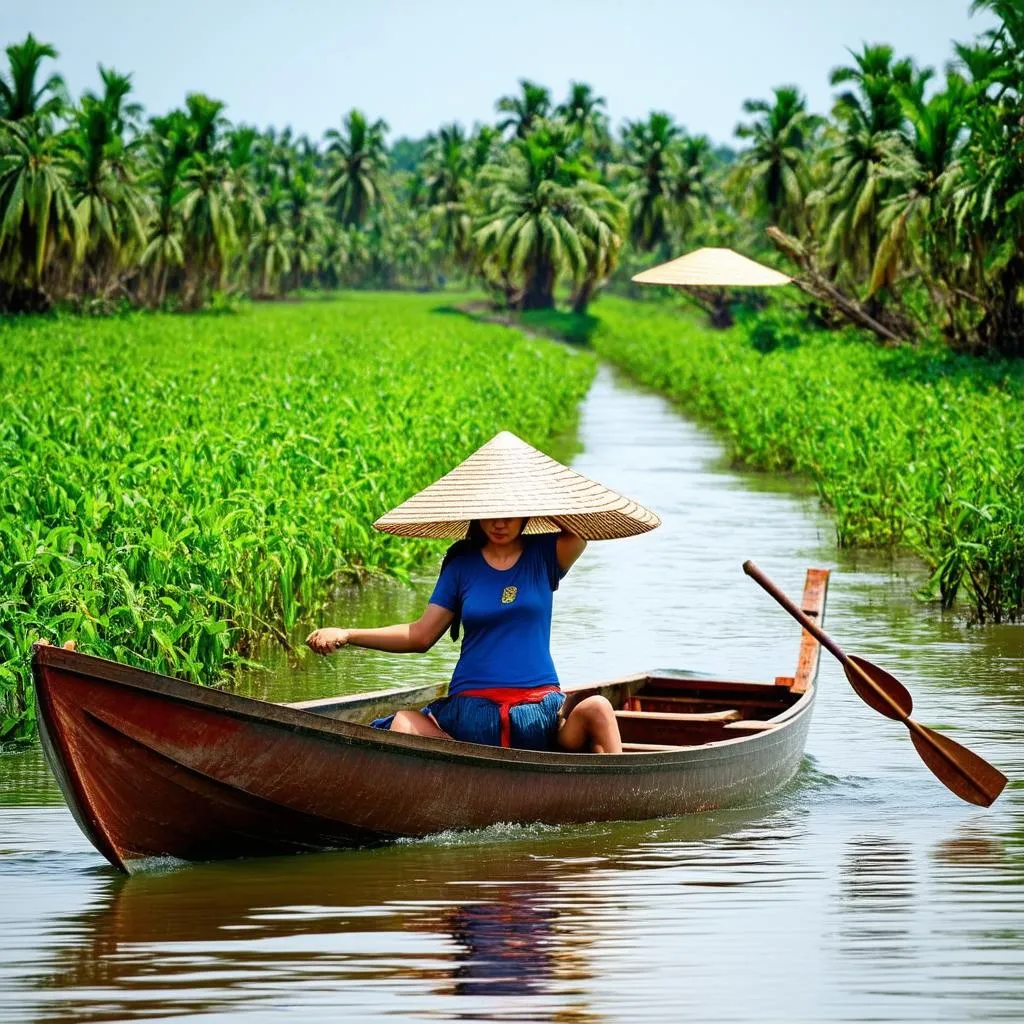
{"x": 907, "y": 447}
{"x": 175, "y": 487}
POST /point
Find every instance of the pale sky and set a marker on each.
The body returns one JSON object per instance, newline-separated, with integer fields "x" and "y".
{"x": 417, "y": 65}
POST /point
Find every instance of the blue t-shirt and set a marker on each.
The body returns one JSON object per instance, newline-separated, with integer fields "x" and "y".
{"x": 506, "y": 616}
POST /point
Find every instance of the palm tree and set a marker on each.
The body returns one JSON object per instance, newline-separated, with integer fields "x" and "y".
{"x": 482, "y": 146}
{"x": 103, "y": 175}
{"x": 447, "y": 182}
{"x": 306, "y": 219}
{"x": 200, "y": 193}
{"x": 167, "y": 149}
{"x": 986, "y": 188}
{"x": 647, "y": 170}
{"x": 269, "y": 248}
{"x": 249, "y": 156}
{"x": 915, "y": 218}
{"x": 355, "y": 178}
{"x": 602, "y": 225}
{"x": 38, "y": 220}
{"x": 871, "y": 119}
{"x": 582, "y": 110}
{"x": 334, "y": 257}
{"x": 773, "y": 173}
{"x": 124, "y": 116}
{"x": 20, "y": 97}
{"x": 690, "y": 186}
{"x": 524, "y": 110}
{"x": 543, "y": 219}
{"x": 208, "y": 226}
{"x": 205, "y": 123}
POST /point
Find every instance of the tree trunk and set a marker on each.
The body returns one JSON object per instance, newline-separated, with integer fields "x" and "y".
{"x": 540, "y": 289}
{"x": 583, "y": 295}
{"x": 1001, "y": 331}
{"x": 814, "y": 283}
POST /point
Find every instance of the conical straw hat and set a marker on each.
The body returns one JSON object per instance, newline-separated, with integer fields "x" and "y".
{"x": 712, "y": 268}
{"x": 507, "y": 478}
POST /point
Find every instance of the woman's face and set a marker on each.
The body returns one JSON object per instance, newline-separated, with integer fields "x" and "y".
{"x": 501, "y": 531}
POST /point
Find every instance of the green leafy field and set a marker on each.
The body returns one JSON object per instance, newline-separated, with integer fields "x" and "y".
{"x": 174, "y": 488}
{"x": 907, "y": 447}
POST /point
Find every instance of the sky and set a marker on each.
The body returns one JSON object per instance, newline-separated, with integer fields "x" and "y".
{"x": 420, "y": 64}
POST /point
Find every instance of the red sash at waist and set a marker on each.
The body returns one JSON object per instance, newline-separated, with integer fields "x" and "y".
{"x": 507, "y": 697}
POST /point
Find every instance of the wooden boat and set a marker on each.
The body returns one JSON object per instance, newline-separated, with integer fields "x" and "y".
{"x": 154, "y": 767}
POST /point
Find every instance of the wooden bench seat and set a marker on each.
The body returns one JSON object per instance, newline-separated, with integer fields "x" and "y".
{"x": 728, "y": 715}
{"x": 750, "y": 726}
{"x": 664, "y": 728}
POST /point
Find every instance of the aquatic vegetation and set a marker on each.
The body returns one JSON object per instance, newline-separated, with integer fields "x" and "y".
{"x": 923, "y": 449}
{"x": 175, "y": 487}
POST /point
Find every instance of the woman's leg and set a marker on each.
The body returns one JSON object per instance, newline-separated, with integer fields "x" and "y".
{"x": 591, "y": 724}
{"x": 415, "y": 723}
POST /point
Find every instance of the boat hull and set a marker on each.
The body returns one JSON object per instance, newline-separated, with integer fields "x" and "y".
{"x": 155, "y": 767}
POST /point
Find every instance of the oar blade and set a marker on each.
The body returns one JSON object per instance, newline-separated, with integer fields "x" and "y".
{"x": 889, "y": 685}
{"x": 971, "y": 777}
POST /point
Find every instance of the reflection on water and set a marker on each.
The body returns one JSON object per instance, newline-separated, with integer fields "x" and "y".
{"x": 864, "y": 891}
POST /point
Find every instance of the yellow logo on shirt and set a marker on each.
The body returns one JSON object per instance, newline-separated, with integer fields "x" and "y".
{"x": 508, "y": 595}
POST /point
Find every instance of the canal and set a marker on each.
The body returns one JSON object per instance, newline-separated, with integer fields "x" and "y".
{"x": 863, "y": 891}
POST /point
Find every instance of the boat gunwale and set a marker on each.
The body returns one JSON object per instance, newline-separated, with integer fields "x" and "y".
{"x": 311, "y": 723}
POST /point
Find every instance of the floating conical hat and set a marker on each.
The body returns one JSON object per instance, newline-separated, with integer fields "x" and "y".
{"x": 713, "y": 268}
{"x": 507, "y": 478}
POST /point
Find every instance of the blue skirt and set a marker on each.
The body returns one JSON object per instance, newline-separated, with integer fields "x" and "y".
{"x": 533, "y": 726}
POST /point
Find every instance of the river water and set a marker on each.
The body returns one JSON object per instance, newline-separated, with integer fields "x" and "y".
{"x": 864, "y": 891}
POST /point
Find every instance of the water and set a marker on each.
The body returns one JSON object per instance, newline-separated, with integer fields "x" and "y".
{"x": 863, "y": 892}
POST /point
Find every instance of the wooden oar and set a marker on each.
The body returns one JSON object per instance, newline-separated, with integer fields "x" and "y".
{"x": 971, "y": 777}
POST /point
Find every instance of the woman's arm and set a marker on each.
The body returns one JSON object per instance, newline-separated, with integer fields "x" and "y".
{"x": 568, "y": 548}
{"x": 404, "y": 638}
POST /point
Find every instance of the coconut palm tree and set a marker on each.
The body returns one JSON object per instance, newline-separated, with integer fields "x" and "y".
{"x": 38, "y": 221}
{"x": 357, "y": 169}
{"x": 269, "y": 249}
{"x": 20, "y": 96}
{"x": 690, "y": 186}
{"x": 582, "y": 110}
{"x": 647, "y": 170}
{"x": 125, "y": 115}
{"x": 602, "y": 221}
{"x": 447, "y": 185}
{"x": 167, "y": 149}
{"x": 205, "y": 124}
{"x": 523, "y": 111}
{"x": 773, "y": 174}
{"x": 543, "y": 218}
{"x": 306, "y": 219}
{"x": 208, "y": 226}
{"x": 249, "y": 156}
{"x": 110, "y": 202}
{"x": 986, "y": 188}
{"x": 915, "y": 222}
{"x": 870, "y": 121}
{"x": 483, "y": 145}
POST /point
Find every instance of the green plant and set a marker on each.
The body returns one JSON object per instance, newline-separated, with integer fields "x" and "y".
{"x": 176, "y": 488}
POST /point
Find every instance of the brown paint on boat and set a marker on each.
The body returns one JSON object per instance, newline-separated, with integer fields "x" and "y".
{"x": 154, "y": 767}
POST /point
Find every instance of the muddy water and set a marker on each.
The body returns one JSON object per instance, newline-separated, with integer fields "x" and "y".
{"x": 862, "y": 892}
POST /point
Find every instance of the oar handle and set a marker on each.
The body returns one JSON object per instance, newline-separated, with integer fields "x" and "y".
{"x": 805, "y": 620}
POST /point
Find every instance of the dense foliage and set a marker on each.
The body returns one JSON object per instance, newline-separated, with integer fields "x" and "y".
{"x": 174, "y": 487}
{"x": 907, "y": 202}
{"x": 916, "y": 448}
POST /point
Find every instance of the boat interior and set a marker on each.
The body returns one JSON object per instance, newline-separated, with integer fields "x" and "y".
{"x": 656, "y": 711}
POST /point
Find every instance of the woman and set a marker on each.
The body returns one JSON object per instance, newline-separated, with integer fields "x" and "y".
{"x": 497, "y": 584}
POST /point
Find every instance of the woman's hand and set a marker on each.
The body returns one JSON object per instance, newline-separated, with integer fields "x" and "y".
{"x": 325, "y": 641}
